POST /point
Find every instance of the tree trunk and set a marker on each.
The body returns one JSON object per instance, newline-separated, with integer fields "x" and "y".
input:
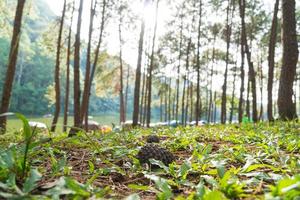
{"x": 183, "y": 120}
{"x": 169, "y": 99}
{"x": 57, "y": 69}
{"x": 85, "y": 108}
{"x": 242, "y": 89}
{"x": 12, "y": 60}
{"x": 151, "y": 67}
{"x": 77, "y": 116}
{"x": 136, "y": 99}
{"x": 122, "y": 108}
{"x": 224, "y": 87}
{"x": 286, "y": 106}
{"x": 126, "y": 91}
{"x": 86, "y": 91}
{"x": 272, "y": 45}
{"x": 232, "y": 97}
{"x": 250, "y": 63}
{"x": 197, "y": 117}
{"x": 211, "y": 80}
{"x": 66, "y": 107}
{"x": 178, "y": 71}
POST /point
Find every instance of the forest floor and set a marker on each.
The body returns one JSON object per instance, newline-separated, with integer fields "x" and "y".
{"x": 249, "y": 161}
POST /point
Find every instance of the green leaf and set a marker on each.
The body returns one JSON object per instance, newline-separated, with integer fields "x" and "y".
{"x": 138, "y": 187}
{"x": 215, "y": 195}
{"x": 31, "y": 181}
{"x": 184, "y": 169}
{"x": 162, "y": 185}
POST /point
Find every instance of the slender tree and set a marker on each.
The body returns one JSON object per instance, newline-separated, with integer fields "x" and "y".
{"x": 228, "y": 38}
{"x": 12, "y": 60}
{"x": 66, "y": 107}
{"x": 242, "y": 4}
{"x": 272, "y": 45}
{"x": 286, "y": 106}
{"x": 151, "y": 67}
{"x": 122, "y": 108}
{"x": 198, "y": 108}
{"x": 77, "y": 116}
{"x": 86, "y": 91}
{"x": 137, "y": 84}
{"x": 57, "y": 69}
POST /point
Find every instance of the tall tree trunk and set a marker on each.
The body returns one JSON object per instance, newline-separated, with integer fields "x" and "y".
{"x": 272, "y": 45}
{"x": 228, "y": 38}
{"x": 215, "y": 108}
{"x": 169, "y": 99}
{"x": 151, "y": 67}
{"x": 248, "y": 100}
{"x": 232, "y": 96}
{"x": 261, "y": 90}
{"x": 85, "y": 108}
{"x": 178, "y": 71}
{"x": 66, "y": 106}
{"x": 250, "y": 63}
{"x": 197, "y": 117}
{"x": 12, "y": 60}
{"x": 183, "y": 119}
{"x": 126, "y": 91}
{"x": 137, "y": 84}
{"x": 286, "y": 106}
{"x": 77, "y": 116}
{"x": 57, "y": 69}
{"x": 242, "y": 88}
{"x": 122, "y": 108}
{"x": 191, "y": 104}
{"x": 86, "y": 91}
{"x": 211, "y": 81}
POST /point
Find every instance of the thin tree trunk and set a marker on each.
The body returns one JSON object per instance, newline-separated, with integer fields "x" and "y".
{"x": 12, "y": 60}
{"x": 211, "y": 80}
{"x": 136, "y": 100}
{"x": 247, "y": 99}
{"x": 86, "y": 90}
{"x": 224, "y": 87}
{"x": 250, "y": 63}
{"x": 272, "y": 45}
{"x": 191, "y": 104}
{"x": 126, "y": 91}
{"x": 169, "y": 103}
{"x": 183, "y": 119}
{"x": 232, "y": 97}
{"x": 178, "y": 71}
{"x": 77, "y": 116}
{"x": 286, "y": 106}
{"x": 198, "y": 113}
{"x": 261, "y": 90}
{"x": 85, "y": 108}
{"x": 122, "y": 108}
{"x": 151, "y": 67}
{"x": 242, "y": 89}
{"x": 68, "y": 73}
{"x": 57, "y": 69}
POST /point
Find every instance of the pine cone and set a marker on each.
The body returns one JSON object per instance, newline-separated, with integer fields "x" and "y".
{"x": 152, "y": 139}
{"x": 151, "y": 151}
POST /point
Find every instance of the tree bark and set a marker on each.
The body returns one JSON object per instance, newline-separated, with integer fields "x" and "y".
{"x": 12, "y": 60}
{"x": 197, "y": 117}
{"x": 224, "y": 87}
{"x": 137, "y": 84}
{"x": 272, "y": 45}
{"x": 151, "y": 67}
{"x": 178, "y": 71}
{"x": 57, "y": 69}
{"x": 84, "y": 108}
{"x": 286, "y": 106}
{"x": 122, "y": 108}
{"x": 66, "y": 106}
{"x": 77, "y": 116}
{"x": 250, "y": 63}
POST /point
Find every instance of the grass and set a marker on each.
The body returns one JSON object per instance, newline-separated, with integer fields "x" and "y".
{"x": 14, "y": 124}
{"x": 248, "y": 161}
